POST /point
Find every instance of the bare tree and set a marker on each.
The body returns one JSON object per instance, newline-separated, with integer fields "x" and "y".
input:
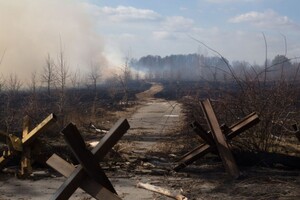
{"x": 94, "y": 75}
{"x": 48, "y": 75}
{"x": 124, "y": 79}
{"x": 33, "y": 83}
{"x": 13, "y": 85}
{"x": 62, "y": 76}
{"x": 76, "y": 79}
{"x": 32, "y": 107}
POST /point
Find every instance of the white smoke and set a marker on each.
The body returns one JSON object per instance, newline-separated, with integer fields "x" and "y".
{"x": 30, "y": 29}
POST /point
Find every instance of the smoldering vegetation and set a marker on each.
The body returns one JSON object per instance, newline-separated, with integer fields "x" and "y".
{"x": 236, "y": 89}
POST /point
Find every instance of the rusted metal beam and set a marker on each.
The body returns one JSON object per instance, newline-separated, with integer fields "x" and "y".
{"x": 230, "y": 132}
{"x": 199, "y": 130}
{"x": 192, "y": 156}
{"x": 220, "y": 140}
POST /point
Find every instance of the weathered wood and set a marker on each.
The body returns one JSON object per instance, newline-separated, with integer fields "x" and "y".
{"x": 26, "y": 153}
{"x": 44, "y": 125}
{"x": 89, "y": 185}
{"x": 24, "y": 145}
{"x": 60, "y": 165}
{"x": 26, "y": 126}
{"x": 85, "y": 157}
{"x": 220, "y": 140}
{"x": 111, "y": 138}
{"x": 102, "y": 148}
{"x": 161, "y": 190}
{"x": 14, "y": 146}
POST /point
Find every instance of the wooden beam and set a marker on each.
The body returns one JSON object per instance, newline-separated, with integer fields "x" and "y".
{"x": 26, "y": 126}
{"x": 45, "y": 124}
{"x": 220, "y": 140}
{"x": 89, "y": 185}
{"x": 111, "y": 138}
{"x": 26, "y": 168}
{"x": 87, "y": 160}
{"x": 102, "y": 148}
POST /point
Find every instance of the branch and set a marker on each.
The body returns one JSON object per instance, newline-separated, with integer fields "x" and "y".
{"x": 160, "y": 190}
{"x": 1, "y": 59}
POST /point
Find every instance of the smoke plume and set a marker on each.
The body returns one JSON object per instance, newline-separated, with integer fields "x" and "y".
{"x": 30, "y": 29}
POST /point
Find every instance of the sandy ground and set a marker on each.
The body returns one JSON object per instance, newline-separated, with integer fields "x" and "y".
{"x": 152, "y": 126}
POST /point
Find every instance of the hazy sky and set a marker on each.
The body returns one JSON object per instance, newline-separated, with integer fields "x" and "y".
{"x": 232, "y": 27}
{"x": 107, "y": 31}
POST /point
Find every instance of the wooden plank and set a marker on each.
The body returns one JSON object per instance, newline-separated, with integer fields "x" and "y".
{"x": 105, "y": 144}
{"x": 111, "y": 138}
{"x": 90, "y": 186}
{"x": 45, "y": 124}
{"x": 26, "y": 168}
{"x": 5, "y": 159}
{"x": 85, "y": 157}
{"x": 60, "y": 165}
{"x": 26, "y": 126}
{"x": 220, "y": 140}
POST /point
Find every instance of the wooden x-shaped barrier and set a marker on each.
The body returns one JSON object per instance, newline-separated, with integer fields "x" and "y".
{"x": 216, "y": 139}
{"x": 24, "y": 145}
{"x": 88, "y": 175}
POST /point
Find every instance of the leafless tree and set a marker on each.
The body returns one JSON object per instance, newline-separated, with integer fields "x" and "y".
{"x": 76, "y": 79}
{"x": 124, "y": 79}
{"x": 32, "y": 107}
{"x": 94, "y": 75}
{"x": 62, "y": 76}
{"x": 13, "y": 85}
{"x": 48, "y": 75}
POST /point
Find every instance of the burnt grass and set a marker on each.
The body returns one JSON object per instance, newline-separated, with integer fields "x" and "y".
{"x": 265, "y": 175}
{"x": 82, "y": 106}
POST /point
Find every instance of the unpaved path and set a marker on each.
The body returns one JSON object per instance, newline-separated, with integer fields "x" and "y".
{"x": 154, "y": 119}
{"x": 153, "y": 125}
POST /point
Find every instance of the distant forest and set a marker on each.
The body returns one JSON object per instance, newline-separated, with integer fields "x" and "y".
{"x": 211, "y": 68}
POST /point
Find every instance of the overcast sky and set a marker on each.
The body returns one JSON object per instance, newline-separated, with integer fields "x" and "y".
{"x": 232, "y": 27}
{"x": 108, "y": 31}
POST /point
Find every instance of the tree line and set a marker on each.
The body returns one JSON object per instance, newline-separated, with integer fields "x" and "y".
{"x": 211, "y": 68}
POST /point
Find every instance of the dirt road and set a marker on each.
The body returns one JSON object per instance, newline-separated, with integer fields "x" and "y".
{"x": 154, "y": 119}
{"x": 153, "y": 126}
